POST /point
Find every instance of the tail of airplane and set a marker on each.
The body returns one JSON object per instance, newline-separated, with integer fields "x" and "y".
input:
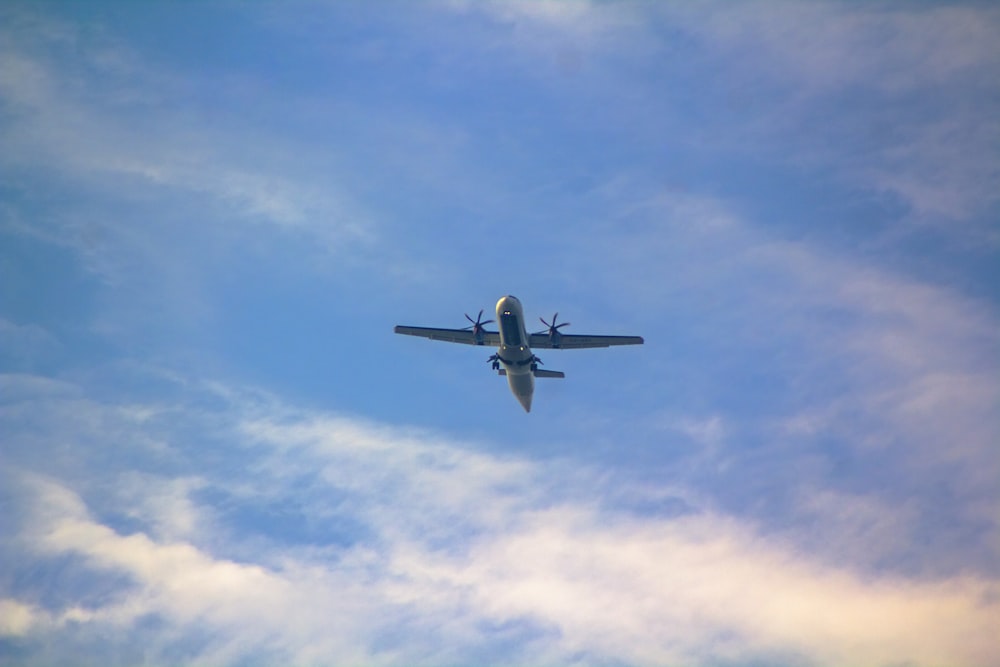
{"x": 538, "y": 373}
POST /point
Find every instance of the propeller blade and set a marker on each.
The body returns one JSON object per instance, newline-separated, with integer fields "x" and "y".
{"x": 478, "y": 322}
{"x": 553, "y": 327}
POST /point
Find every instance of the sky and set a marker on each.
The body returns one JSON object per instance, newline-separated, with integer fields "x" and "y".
{"x": 215, "y": 451}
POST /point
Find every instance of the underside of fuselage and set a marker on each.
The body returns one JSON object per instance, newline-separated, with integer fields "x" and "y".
{"x": 514, "y": 353}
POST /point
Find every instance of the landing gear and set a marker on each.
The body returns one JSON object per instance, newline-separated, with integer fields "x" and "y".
{"x": 495, "y": 359}
{"x": 534, "y": 363}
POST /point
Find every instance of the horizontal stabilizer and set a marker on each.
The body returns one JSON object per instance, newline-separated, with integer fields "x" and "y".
{"x": 538, "y": 373}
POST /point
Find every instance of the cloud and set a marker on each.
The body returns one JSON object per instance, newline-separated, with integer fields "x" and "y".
{"x": 24, "y": 345}
{"x": 917, "y": 355}
{"x": 898, "y": 99}
{"x": 92, "y": 110}
{"x": 15, "y": 618}
{"x": 587, "y": 23}
{"x": 878, "y": 381}
{"x": 817, "y": 477}
{"x": 419, "y": 549}
{"x": 829, "y": 46}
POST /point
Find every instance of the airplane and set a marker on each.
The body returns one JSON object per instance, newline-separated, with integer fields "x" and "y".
{"x": 514, "y": 358}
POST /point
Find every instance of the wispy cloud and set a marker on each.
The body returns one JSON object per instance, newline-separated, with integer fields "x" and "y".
{"x": 91, "y": 110}
{"x": 25, "y": 345}
{"x": 829, "y": 46}
{"x": 864, "y": 365}
{"x": 913, "y": 88}
{"x": 805, "y": 467}
{"x": 894, "y": 101}
{"x": 449, "y": 551}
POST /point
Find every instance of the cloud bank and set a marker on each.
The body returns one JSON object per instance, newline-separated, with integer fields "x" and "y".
{"x": 291, "y": 535}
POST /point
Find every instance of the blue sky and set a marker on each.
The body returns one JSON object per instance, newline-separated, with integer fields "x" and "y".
{"x": 215, "y": 451}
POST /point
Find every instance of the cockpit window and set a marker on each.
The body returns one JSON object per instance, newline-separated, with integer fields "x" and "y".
{"x": 510, "y": 328}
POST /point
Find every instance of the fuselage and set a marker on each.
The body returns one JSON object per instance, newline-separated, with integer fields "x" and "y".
{"x": 514, "y": 352}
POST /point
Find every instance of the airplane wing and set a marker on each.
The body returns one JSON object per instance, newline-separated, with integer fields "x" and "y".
{"x": 540, "y": 341}
{"x": 465, "y": 336}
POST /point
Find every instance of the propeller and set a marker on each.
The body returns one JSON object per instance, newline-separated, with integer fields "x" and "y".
{"x": 553, "y": 328}
{"x": 477, "y": 324}
{"x": 477, "y": 327}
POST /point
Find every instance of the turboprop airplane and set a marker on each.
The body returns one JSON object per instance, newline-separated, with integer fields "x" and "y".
{"x": 514, "y": 358}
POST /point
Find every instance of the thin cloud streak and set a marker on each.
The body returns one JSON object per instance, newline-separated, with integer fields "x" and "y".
{"x": 124, "y": 123}
{"x": 913, "y": 87}
{"x": 885, "y": 69}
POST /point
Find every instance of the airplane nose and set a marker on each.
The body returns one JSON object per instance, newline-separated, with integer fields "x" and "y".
{"x": 525, "y": 402}
{"x": 507, "y": 303}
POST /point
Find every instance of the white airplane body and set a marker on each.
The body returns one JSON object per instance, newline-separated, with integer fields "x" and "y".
{"x": 514, "y": 357}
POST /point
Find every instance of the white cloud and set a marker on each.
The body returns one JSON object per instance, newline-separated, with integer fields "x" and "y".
{"x": 585, "y": 21}
{"x": 458, "y": 549}
{"x": 691, "y": 580}
{"x": 15, "y": 618}
{"x": 20, "y": 620}
{"x": 609, "y": 587}
{"x": 164, "y": 506}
